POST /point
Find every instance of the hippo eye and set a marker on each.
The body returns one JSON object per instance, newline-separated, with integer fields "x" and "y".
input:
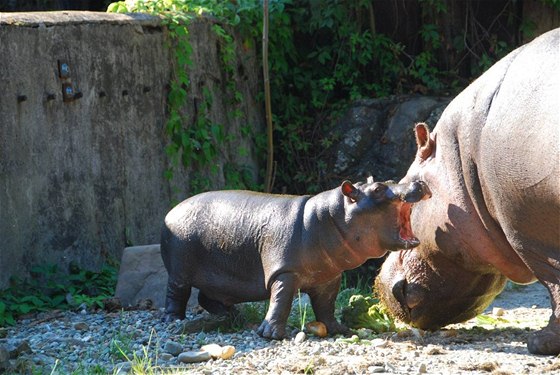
{"x": 379, "y": 189}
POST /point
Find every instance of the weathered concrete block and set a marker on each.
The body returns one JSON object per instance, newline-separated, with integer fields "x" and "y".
{"x": 83, "y": 175}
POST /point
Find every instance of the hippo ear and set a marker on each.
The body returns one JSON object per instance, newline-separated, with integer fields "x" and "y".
{"x": 423, "y": 140}
{"x": 350, "y": 190}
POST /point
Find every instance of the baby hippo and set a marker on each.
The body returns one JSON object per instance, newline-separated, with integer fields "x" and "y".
{"x": 241, "y": 246}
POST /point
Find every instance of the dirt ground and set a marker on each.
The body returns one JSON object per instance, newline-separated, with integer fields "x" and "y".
{"x": 495, "y": 343}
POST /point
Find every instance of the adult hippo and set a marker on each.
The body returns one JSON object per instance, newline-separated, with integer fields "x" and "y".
{"x": 239, "y": 246}
{"x": 492, "y": 163}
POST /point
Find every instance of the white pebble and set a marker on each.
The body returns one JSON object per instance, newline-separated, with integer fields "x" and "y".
{"x": 300, "y": 337}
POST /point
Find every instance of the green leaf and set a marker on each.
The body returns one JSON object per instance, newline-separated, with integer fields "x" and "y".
{"x": 118, "y": 7}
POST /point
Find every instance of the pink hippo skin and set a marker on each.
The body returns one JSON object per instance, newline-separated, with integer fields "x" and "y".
{"x": 492, "y": 163}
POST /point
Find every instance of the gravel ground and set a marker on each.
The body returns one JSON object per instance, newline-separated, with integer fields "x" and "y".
{"x": 91, "y": 343}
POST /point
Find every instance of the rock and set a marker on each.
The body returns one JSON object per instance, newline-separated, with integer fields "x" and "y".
{"x": 374, "y": 136}
{"x": 318, "y": 329}
{"x": 497, "y": 311}
{"x": 4, "y": 358}
{"x": 216, "y": 351}
{"x": 376, "y": 369}
{"x": 194, "y": 356}
{"x": 81, "y": 326}
{"x": 300, "y": 337}
{"x": 379, "y": 343}
{"x": 166, "y": 357}
{"x": 112, "y": 304}
{"x": 173, "y": 348}
{"x": 16, "y": 348}
{"x": 228, "y": 351}
{"x": 143, "y": 277}
{"x": 434, "y": 350}
{"x": 422, "y": 368}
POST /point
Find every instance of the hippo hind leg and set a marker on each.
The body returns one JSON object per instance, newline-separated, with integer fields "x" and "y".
{"x": 547, "y": 340}
{"x": 178, "y": 295}
{"x": 323, "y": 299}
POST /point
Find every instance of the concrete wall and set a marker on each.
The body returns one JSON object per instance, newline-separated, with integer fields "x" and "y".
{"x": 83, "y": 177}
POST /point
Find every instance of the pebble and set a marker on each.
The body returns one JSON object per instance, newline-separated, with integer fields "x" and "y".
{"x": 166, "y": 357}
{"x": 81, "y": 326}
{"x": 497, "y": 311}
{"x": 300, "y": 337}
{"x": 194, "y": 356}
{"x": 316, "y": 328}
{"x": 216, "y": 351}
{"x": 379, "y": 343}
{"x": 376, "y": 369}
{"x": 173, "y": 348}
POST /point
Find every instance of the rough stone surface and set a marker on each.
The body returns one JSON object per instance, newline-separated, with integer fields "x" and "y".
{"x": 374, "y": 136}
{"x": 81, "y": 179}
{"x": 141, "y": 275}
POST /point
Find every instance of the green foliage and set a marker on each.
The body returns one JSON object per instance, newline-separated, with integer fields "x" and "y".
{"x": 321, "y": 54}
{"x": 485, "y": 320}
{"x": 366, "y": 312}
{"x": 47, "y": 289}
{"x": 554, "y": 4}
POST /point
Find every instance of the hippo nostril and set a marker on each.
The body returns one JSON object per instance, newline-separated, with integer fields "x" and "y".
{"x": 417, "y": 191}
{"x": 412, "y": 296}
{"x": 425, "y": 190}
{"x": 412, "y": 301}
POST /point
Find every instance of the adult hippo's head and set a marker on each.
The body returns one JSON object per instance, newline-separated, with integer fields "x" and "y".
{"x": 442, "y": 281}
{"x": 431, "y": 291}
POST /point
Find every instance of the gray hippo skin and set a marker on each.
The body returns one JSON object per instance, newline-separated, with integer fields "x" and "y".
{"x": 240, "y": 246}
{"x": 493, "y": 165}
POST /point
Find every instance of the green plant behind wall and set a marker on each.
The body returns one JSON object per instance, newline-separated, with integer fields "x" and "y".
{"x": 322, "y": 54}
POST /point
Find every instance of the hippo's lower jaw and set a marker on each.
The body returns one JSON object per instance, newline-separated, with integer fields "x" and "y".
{"x": 407, "y": 239}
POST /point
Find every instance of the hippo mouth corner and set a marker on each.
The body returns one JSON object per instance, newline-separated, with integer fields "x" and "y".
{"x": 407, "y": 238}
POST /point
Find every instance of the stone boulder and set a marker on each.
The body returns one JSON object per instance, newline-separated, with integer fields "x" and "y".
{"x": 142, "y": 276}
{"x": 375, "y": 137}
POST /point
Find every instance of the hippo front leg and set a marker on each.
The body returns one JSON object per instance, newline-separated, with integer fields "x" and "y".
{"x": 547, "y": 340}
{"x": 282, "y": 294}
{"x": 323, "y": 298}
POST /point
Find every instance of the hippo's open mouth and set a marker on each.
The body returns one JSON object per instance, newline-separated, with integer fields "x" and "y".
{"x": 406, "y": 237}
